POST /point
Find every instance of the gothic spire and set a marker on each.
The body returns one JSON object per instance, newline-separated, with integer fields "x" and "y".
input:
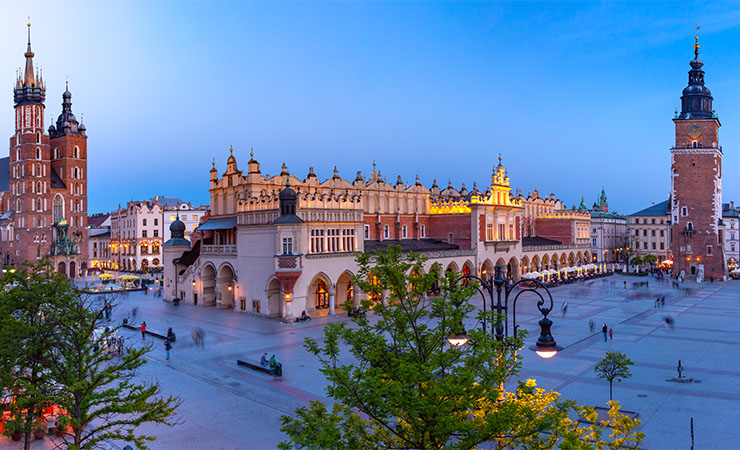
{"x": 29, "y": 76}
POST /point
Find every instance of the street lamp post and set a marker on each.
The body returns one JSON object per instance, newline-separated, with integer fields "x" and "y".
{"x": 545, "y": 347}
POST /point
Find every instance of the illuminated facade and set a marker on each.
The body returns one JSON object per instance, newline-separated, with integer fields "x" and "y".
{"x": 43, "y": 182}
{"x": 279, "y": 245}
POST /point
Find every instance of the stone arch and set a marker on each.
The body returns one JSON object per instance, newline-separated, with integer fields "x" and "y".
{"x": 512, "y": 268}
{"x": 502, "y": 264}
{"x": 318, "y": 293}
{"x": 535, "y": 266}
{"x": 453, "y": 267}
{"x": 579, "y": 258}
{"x": 208, "y": 278}
{"x": 62, "y": 268}
{"x": 72, "y": 269}
{"x": 225, "y": 285}
{"x": 487, "y": 270}
{"x": 345, "y": 291}
{"x": 525, "y": 266}
{"x": 571, "y": 259}
{"x": 554, "y": 262}
{"x": 274, "y": 293}
{"x": 563, "y": 261}
{"x": 545, "y": 262}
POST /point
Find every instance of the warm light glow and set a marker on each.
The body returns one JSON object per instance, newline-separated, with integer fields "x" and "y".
{"x": 230, "y": 288}
{"x": 546, "y": 354}
{"x": 450, "y": 208}
{"x": 193, "y": 283}
{"x": 287, "y": 297}
{"x": 457, "y": 341}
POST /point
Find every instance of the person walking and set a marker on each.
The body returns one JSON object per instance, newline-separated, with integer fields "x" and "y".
{"x": 143, "y": 330}
{"x": 167, "y": 348}
{"x": 611, "y": 333}
{"x": 591, "y": 326}
{"x": 604, "y": 329}
{"x": 564, "y": 308}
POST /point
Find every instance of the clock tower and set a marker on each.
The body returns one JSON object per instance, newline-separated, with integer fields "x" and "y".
{"x": 696, "y": 182}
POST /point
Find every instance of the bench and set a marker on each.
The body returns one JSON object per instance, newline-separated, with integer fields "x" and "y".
{"x": 257, "y": 366}
{"x": 148, "y": 331}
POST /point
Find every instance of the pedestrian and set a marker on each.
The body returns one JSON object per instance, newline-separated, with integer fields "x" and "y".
{"x": 564, "y": 308}
{"x": 604, "y": 329}
{"x": 591, "y": 326}
{"x": 611, "y": 333}
{"x": 170, "y": 334}
{"x": 263, "y": 360}
{"x": 625, "y": 284}
{"x": 133, "y": 314}
{"x": 662, "y": 301}
{"x": 143, "y": 330}
{"x": 167, "y": 348}
{"x": 273, "y": 362}
{"x": 669, "y": 322}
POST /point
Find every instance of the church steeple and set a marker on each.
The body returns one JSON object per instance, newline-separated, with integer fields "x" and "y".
{"x": 30, "y": 89}
{"x": 696, "y": 101}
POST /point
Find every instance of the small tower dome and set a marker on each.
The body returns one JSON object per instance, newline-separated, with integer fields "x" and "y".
{"x": 177, "y": 228}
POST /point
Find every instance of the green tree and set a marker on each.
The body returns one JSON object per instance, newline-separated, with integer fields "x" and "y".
{"x": 28, "y": 307}
{"x": 98, "y": 391}
{"x": 614, "y": 366}
{"x": 636, "y": 261}
{"x": 650, "y": 259}
{"x": 397, "y": 383}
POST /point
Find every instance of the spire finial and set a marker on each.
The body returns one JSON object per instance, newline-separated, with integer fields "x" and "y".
{"x": 231, "y": 148}
{"x": 214, "y": 163}
{"x": 66, "y": 85}
{"x": 696, "y": 42}
{"x": 251, "y": 152}
{"x": 287, "y": 180}
{"x": 29, "y": 33}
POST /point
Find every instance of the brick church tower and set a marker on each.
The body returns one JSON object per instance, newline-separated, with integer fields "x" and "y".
{"x": 696, "y": 182}
{"x": 44, "y": 202}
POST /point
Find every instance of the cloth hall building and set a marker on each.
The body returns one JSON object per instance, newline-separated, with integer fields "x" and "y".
{"x": 279, "y": 245}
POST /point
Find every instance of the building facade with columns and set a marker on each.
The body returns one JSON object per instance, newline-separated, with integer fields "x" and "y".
{"x": 279, "y": 245}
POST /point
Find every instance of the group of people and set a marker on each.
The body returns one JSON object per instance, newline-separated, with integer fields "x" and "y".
{"x": 660, "y": 301}
{"x": 199, "y": 337}
{"x": 604, "y": 329}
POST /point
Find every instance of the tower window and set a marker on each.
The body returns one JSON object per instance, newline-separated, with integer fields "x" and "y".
{"x": 76, "y": 152}
{"x": 38, "y": 137}
{"x": 684, "y": 211}
{"x": 694, "y": 144}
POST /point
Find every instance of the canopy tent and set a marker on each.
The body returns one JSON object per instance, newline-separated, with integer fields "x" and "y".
{"x": 128, "y": 277}
{"x": 530, "y": 275}
{"x": 105, "y": 276}
{"x": 667, "y": 262}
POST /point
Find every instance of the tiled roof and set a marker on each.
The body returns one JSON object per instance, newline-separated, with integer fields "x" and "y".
{"x": 5, "y": 173}
{"x": 658, "y": 209}
{"x": 96, "y": 220}
{"x": 529, "y": 241}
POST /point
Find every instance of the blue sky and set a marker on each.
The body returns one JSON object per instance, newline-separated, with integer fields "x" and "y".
{"x": 576, "y": 96}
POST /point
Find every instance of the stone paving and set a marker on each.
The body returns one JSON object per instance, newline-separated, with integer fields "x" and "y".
{"x": 231, "y": 407}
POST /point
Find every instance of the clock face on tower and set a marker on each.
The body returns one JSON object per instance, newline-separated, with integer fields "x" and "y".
{"x": 694, "y": 131}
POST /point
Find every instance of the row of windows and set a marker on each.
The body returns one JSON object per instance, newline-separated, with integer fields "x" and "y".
{"x": 332, "y": 240}
{"x": 57, "y": 151}
{"x": 653, "y": 221}
{"x": 645, "y": 245}
{"x": 652, "y": 233}
{"x": 404, "y": 231}
{"x": 499, "y": 233}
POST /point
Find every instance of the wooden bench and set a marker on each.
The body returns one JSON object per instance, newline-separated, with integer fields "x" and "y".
{"x": 257, "y": 366}
{"x": 153, "y": 333}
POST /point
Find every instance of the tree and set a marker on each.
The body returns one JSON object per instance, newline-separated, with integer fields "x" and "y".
{"x": 614, "y": 366}
{"x": 636, "y": 261}
{"x": 50, "y": 338}
{"x": 627, "y": 247}
{"x": 27, "y": 315}
{"x": 650, "y": 259}
{"x": 98, "y": 391}
{"x": 403, "y": 386}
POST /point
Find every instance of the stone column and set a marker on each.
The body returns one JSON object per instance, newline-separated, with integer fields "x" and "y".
{"x": 331, "y": 305}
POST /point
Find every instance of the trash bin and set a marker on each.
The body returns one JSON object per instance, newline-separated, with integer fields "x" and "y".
{"x": 279, "y": 370}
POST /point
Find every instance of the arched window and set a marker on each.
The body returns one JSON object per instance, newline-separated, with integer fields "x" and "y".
{"x": 18, "y": 205}
{"x": 57, "y": 209}
{"x": 694, "y": 144}
{"x": 38, "y": 169}
{"x": 38, "y": 188}
{"x": 56, "y": 153}
{"x": 38, "y": 137}
{"x": 322, "y": 295}
{"x": 684, "y": 211}
{"x": 76, "y": 152}
{"x": 18, "y": 154}
{"x": 38, "y": 153}
{"x": 76, "y": 173}
{"x": 38, "y": 206}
